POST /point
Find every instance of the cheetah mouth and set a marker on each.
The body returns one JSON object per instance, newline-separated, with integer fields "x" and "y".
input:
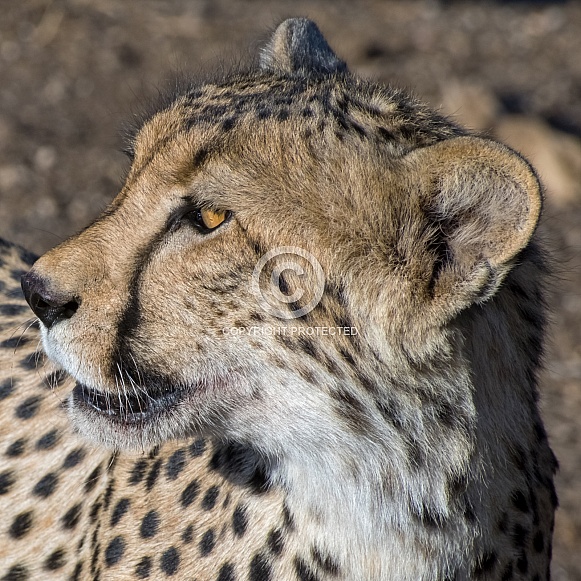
{"x": 126, "y": 408}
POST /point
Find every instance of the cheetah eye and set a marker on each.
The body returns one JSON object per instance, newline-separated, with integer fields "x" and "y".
{"x": 206, "y": 219}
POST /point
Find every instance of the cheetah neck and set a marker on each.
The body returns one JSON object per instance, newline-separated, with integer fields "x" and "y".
{"x": 357, "y": 500}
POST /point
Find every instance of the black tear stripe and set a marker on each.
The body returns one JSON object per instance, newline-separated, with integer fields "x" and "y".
{"x": 131, "y": 318}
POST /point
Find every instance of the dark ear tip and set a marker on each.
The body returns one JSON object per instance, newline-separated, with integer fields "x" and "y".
{"x": 297, "y": 45}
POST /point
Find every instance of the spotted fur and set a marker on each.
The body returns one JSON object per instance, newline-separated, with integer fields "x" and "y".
{"x": 406, "y": 446}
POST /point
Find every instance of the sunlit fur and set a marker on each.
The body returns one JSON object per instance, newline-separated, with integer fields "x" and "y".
{"x": 398, "y": 451}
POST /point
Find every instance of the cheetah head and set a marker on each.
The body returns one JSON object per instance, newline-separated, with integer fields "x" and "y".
{"x": 290, "y": 244}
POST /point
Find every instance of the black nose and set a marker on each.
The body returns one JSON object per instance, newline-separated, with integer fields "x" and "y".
{"x": 49, "y": 306}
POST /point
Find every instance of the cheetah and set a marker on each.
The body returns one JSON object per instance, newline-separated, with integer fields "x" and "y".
{"x": 301, "y": 344}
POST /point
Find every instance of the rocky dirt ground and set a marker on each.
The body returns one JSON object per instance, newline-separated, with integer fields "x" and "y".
{"x": 71, "y": 71}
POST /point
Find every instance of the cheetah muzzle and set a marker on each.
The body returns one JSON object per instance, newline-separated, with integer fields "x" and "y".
{"x": 402, "y": 448}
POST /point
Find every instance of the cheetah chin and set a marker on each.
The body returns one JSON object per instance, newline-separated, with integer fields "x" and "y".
{"x": 152, "y": 412}
{"x": 131, "y": 409}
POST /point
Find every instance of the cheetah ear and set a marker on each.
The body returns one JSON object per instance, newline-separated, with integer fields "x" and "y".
{"x": 297, "y": 46}
{"x": 483, "y": 201}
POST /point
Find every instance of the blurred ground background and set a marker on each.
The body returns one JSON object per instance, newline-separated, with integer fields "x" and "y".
{"x": 72, "y": 71}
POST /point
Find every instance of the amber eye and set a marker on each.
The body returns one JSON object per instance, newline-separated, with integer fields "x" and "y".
{"x": 206, "y": 219}
{"x": 211, "y": 218}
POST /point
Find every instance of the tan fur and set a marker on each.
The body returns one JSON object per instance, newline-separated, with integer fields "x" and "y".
{"x": 410, "y": 448}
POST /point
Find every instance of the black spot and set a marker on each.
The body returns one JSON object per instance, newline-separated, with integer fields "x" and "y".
{"x": 241, "y": 465}
{"x": 275, "y": 541}
{"x": 72, "y": 516}
{"x": 282, "y": 115}
{"x": 114, "y": 551}
{"x": 10, "y": 310}
{"x": 369, "y": 385}
{"x": 14, "y": 342}
{"x": 95, "y": 509}
{"x": 519, "y": 501}
{"x": 385, "y": 134}
{"x": 16, "y": 573}
{"x": 239, "y": 521}
{"x": 522, "y": 563}
{"x": 303, "y": 571}
{"x": 46, "y": 485}
{"x": 21, "y": 525}
{"x": 468, "y": 511}
{"x": 76, "y": 576}
{"x": 138, "y": 471}
{"x": 119, "y": 511}
{"x": 143, "y": 568}
{"x": 289, "y": 521}
{"x": 6, "y": 481}
{"x": 429, "y": 516}
{"x": 260, "y": 481}
{"x": 325, "y": 562}
{"x": 16, "y": 448}
{"x": 503, "y": 523}
{"x": 30, "y": 361}
{"x": 47, "y": 441}
{"x": 74, "y": 457}
{"x": 306, "y": 374}
{"x": 55, "y": 560}
{"x": 81, "y": 543}
{"x": 226, "y": 573}
{"x": 448, "y": 415}
{"x": 352, "y": 410}
{"x": 197, "y": 447}
{"x": 408, "y": 132}
{"x": 457, "y": 484}
{"x": 175, "y": 464}
{"x": 260, "y": 569}
{"x": 539, "y": 542}
{"x": 209, "y": 500}
{"x": 227, "y": 124}
{"x": 347, "y": 357}
{"x": 6, "y": 388}
{"x": 331, "y": 366}
{"x": 190, "y": 492}
{"x": 55, "y": 379}
{"x": 307, "y": 345}
{"x": 263, "y": 113}
{"x": 282, "y": 286}
{"x": 92, "y": 479}
{"x": 108, "y": 494}
{"x": 519, "y": 536}
{"x": 207, "y": 543}
{"x": 28, "y": 408}
{"x": 153, "y": 474}
{"x": 257, "y": 317}
{"x": 170, "y": 561}
{"x": 149, "y": 525}
{"x": 188, "y": 534}
{"x": 485, "y": 564}
{"x": 96, "y": 549}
